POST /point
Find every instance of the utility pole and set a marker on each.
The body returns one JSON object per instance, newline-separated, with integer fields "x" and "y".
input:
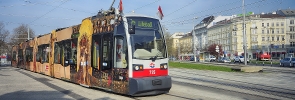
{"x": 244, "y": 35}
{"x": 194, "y": 40}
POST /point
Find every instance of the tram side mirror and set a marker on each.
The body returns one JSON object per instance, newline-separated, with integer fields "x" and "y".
{"x": 131, "y": 29}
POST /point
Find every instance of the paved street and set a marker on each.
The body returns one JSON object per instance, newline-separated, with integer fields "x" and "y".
{"x": 187, "y": 85}
{"x": 18, "y": 84}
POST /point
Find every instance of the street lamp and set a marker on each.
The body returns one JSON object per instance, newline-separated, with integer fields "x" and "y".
{"x": 178, "y": 54}
{"x": 194, "y": 40}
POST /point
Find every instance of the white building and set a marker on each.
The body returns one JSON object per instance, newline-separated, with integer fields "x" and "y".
{"x": 201, "y": 29}
{"x": 290, "y": 29}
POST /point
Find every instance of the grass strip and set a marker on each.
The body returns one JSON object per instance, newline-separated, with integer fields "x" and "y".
{"x": 199, "y": 66}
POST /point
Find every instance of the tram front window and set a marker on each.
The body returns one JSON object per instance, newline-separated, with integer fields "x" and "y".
{"x": 148, "y": 41}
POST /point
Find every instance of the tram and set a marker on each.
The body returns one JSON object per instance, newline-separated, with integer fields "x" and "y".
{"x": 121, "y": 53}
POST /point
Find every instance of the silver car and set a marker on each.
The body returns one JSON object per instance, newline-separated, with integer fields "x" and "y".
{"x": 224, "y": 60}
{"x": 290, "y": 61}
{"x": 240, "y": 59}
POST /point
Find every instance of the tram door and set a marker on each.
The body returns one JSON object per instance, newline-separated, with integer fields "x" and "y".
{"x": 106, "y": 67}
{"x": 102, "y": 59}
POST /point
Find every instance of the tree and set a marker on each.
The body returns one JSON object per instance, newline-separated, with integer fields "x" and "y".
{"x": 3, "y": 39}
{"x": 212, "y": 50}
{"x": 168, "y": 40}
{"x": 168, "y": 43}
{"x": 20, "y": 34}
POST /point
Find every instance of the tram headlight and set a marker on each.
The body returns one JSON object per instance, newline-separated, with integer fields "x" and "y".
{"x": 137, "y": 67}
{"x": 164, "y": 66}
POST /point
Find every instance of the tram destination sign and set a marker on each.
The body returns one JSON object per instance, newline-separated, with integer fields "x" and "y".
{"x": 143, "y": 23}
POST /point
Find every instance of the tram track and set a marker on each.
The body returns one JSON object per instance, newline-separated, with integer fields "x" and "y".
{"x": 180, "y": 97}
{"x": 279, "y": 70}
{"x": 170, "y": 95}
{"x": 275, "y": 92}
{"x": 220, "y": 90}
{"x": 270, "y": 90}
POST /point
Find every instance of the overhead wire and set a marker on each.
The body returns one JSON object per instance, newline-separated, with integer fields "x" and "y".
{"x": 146, "y": 5}
{"x": 202, "y": 11}
{"x": 49, "y": 11}
{"x": 26, "y": 16}
{"x": 181, "y": 7}
{"x": 48, "y": 4}
{"x": 187, "y": 21}
{"x": 216, "y": 12}
{"x": 171, "y": 23}
{"x": 265, "y": 11}
{"x": 73, "y": 9}
{"x": 5, "y": 6}
{"x": 6, "y": 22}
{"x": 262, "y": 20}
{"x": 174, "y": 25}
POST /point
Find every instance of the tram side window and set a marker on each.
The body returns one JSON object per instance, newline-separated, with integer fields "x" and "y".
{"x": 45, "y": 54}
{"x": 20, "y": 54}
{"x": 66, "y": 51}
{"x": 74, "y": 52}
{"x": 106, "y": 64}
{"x": 39, "y": 54}
{"x": 13, "y": 55}
{"x": 57, "y": 53}
{"x": 95, "y": 51}
{"x": 29, "y": 54}
{"x": 121, "y": 54}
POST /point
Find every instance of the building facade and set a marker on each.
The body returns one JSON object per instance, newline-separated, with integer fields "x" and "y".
{"x": 290, "y": 29}
{"x": 264, "y": 33}
{"x": 175, "y": 44}
{"x": 185, "y": 47}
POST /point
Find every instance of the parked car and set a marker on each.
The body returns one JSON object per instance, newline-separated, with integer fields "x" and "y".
{"x": 172, "y": 58}
{"x": 290, "y": 61}
{"x": 240, "y": 59}
{"x": 224, "y": 60}
{"x": 212, "y": 58}
{"x": 192, "y": 58}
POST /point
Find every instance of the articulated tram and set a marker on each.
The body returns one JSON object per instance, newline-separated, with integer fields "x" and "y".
{"x": 121, "y": 53}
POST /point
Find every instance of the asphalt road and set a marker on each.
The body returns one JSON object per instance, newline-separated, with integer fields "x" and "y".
{"x": 187, "y": 84}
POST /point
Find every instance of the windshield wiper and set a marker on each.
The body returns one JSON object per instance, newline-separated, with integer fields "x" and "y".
{"x": 153, "y": 58}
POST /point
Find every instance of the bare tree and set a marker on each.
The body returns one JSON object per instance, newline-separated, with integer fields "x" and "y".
{"x": 3, "y": 39}
{"x": 20, "y": 34}
{"x": 168, "y": 40}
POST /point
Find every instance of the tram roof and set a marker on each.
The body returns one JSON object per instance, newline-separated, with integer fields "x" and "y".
{"x": 138, "y": 15}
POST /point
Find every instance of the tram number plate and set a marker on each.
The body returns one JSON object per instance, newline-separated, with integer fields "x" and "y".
{"x": 153, "y": 72}
{"x": 157, "y": 82}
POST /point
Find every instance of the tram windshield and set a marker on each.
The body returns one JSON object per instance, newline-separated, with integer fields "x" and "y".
{"x": 148, "y": 40}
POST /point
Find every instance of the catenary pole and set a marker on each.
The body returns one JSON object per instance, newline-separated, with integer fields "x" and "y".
{"x": 244, "y": 35}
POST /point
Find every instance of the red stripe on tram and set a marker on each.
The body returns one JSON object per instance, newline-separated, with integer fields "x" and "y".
{"x": 150, "y": 73}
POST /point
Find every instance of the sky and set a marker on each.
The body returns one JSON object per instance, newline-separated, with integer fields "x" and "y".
{"x": 43, "y": 16}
